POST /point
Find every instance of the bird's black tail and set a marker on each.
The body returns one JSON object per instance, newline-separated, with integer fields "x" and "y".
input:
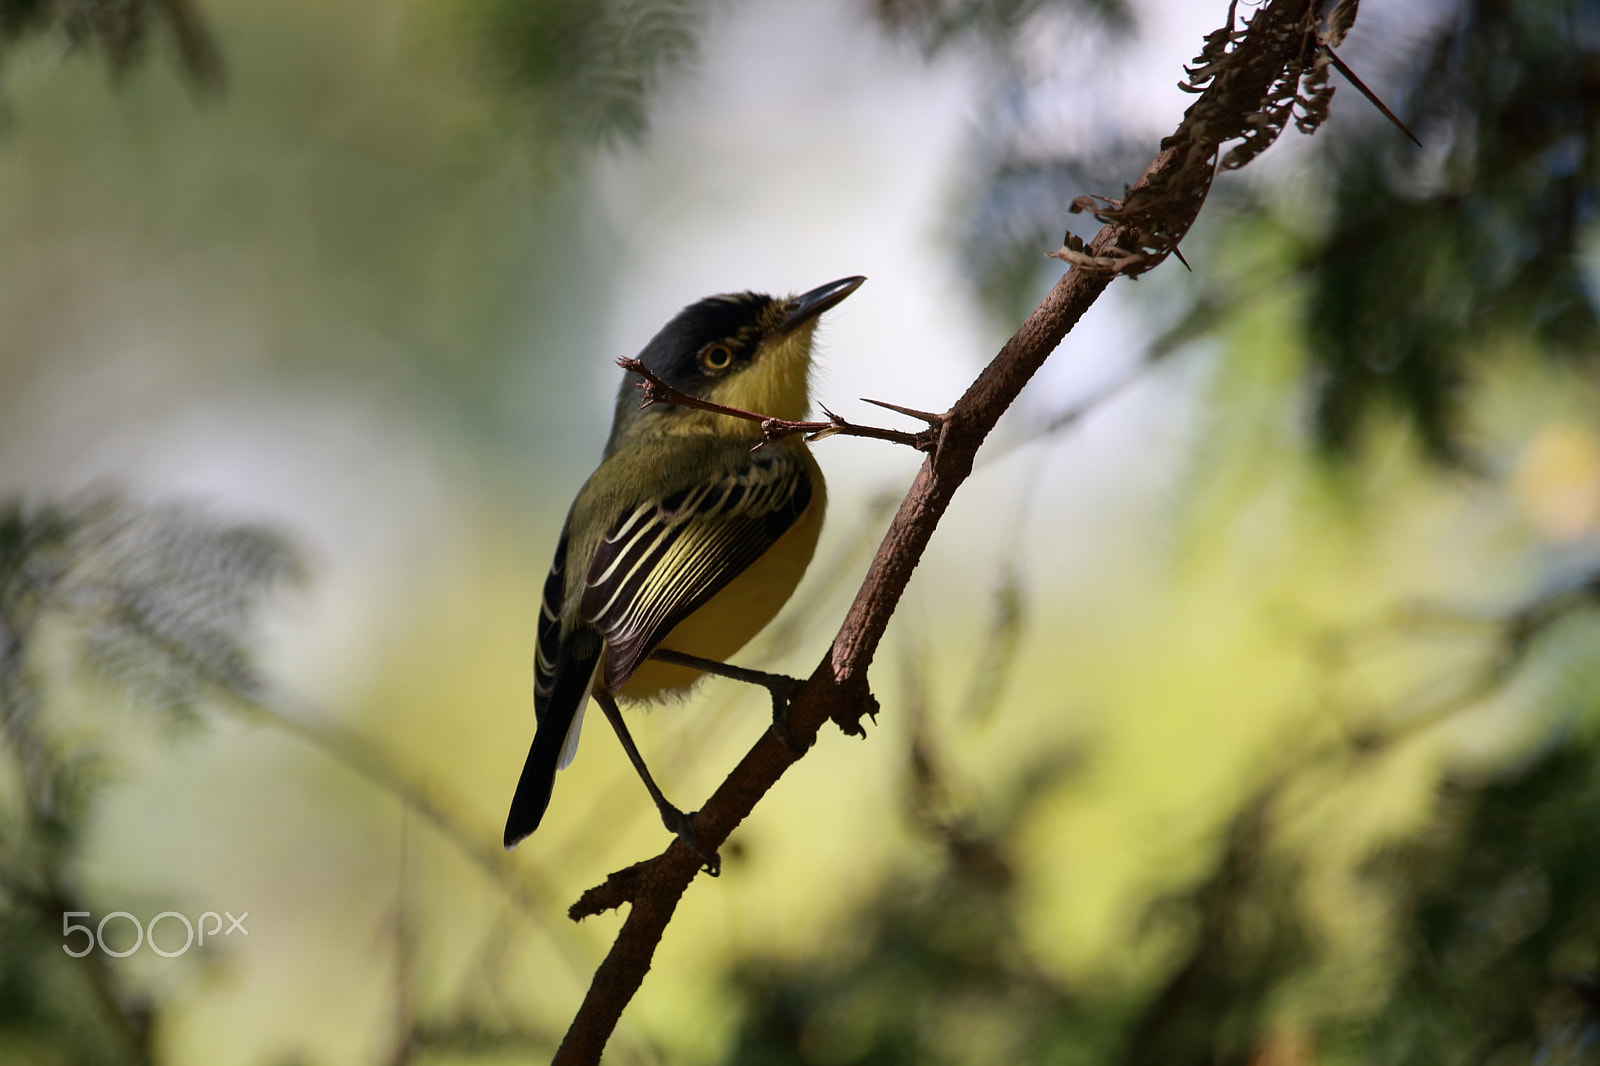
{"x": 567, "y": 697}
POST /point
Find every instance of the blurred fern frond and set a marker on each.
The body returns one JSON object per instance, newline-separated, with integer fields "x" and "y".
{"x": 162, "y": 600}
{"x": 158, "y": 604}
{"x": 587, "y": 70}
{"x": 120, "y": 31}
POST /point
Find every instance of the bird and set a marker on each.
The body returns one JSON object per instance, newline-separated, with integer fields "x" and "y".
{"x": 689, "y": 536}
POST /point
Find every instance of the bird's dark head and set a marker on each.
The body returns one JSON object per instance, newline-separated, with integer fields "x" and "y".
{"x": 742, "y": 349}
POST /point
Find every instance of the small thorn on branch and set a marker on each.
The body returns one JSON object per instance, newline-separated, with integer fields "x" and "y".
{"x": 934, "y": 421}
{"x": 1372, "y": 97}
{"x": 928, "y": 440}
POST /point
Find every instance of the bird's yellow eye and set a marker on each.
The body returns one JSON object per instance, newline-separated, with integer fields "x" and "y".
{"x": 716, "y": 357}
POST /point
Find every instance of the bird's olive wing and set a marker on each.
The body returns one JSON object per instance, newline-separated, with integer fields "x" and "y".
{"x": 547, "y": 649}
{"x": 664, "y": 558}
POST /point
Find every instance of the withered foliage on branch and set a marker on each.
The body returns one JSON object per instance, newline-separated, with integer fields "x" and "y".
{"x": 1159, "y": 211}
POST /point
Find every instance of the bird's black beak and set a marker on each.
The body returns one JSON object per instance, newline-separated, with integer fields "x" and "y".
{"x": 807, "y": 306}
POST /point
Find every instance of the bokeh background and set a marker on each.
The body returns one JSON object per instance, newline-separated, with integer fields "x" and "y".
{"x": 1243, "y": 710}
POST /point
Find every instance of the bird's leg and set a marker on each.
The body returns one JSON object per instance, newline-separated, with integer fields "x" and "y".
{"x": 675, "y": 820}
{"x": 780, "y": 687}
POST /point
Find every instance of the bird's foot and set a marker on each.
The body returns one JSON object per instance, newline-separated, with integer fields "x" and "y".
{"x": 683, "y": 826}
{"x": 782, "y": 690}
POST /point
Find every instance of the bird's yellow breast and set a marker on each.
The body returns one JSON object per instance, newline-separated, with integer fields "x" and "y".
{"x": 742, "y": 608}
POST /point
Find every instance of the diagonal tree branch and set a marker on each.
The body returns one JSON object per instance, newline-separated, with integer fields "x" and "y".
{"x": 1252, "y": 83}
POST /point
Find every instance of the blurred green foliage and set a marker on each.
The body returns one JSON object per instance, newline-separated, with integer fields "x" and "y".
{"x": 156, "y": 608}
{"x": 936, "y": 970}
{"x": 1420, "y": 267}
{"x": 1499, "y": 959}
{"x": 119, "y": 30}
{"x": 1003, "y": 26}
{"x": 1496, "y": 956}
{"x": 1432, "y": 260}
{"x": 585, "y": 71}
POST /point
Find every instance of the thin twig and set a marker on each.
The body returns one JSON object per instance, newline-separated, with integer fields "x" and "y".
{"x": 657, "y": 391}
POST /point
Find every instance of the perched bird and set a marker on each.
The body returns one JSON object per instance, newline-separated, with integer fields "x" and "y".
{"x": 687, "y": 537}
